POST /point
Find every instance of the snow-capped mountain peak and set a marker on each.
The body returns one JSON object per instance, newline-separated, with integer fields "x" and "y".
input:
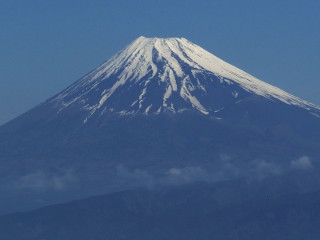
{"x": 152, "y": 75}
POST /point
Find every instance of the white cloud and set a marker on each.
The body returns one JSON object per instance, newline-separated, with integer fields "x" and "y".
{"x": 41, "y": 181}
{"x": 187, "y": 174}
{"x": 262, "y": 168}
{"x": 135, "y": 176}
{"x": 303, "y": 163}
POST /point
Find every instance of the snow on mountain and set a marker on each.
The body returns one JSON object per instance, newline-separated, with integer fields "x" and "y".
{"x": 159, "y": 111}
{"x": 153, "y": 75}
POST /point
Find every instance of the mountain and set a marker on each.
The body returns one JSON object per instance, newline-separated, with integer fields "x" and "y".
{"x": 161, "y": 111}
{"x": 196, "y": 211}
{"x": 154, "y": 75}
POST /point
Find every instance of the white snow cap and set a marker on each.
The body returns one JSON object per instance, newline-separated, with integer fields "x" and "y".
{"x": 140, "y": 60}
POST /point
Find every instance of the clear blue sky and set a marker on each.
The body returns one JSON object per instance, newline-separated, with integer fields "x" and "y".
{"x": 47, "y": 45}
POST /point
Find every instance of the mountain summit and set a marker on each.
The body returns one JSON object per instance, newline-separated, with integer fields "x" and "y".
{"x": 162, "y": 110}
{"x": 154, "y": 75}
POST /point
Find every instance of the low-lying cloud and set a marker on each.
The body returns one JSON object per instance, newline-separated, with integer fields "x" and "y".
{"x": 42, "y": 181}
{"x": 261, "y": 168}
{"x": 134, "y": 177}
{"x": 302, "y": 163}
{"x": 187, "y": 175}
{"x": 225, "y": 169}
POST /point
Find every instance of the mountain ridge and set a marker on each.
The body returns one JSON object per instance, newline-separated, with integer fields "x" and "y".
{"x": 196, "y": 211}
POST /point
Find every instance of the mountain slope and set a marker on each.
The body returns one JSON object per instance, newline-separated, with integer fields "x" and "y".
{"x": 157, "y": 106}
{"x": 198, "y": 211}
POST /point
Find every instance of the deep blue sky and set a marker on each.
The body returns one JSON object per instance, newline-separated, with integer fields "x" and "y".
{"x": 47, "y": 45}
